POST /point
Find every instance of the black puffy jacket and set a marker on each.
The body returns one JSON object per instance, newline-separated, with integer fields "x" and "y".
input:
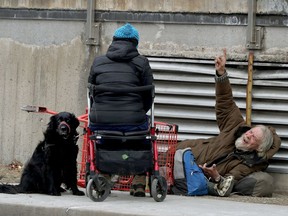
{"x": 121, "y": 67}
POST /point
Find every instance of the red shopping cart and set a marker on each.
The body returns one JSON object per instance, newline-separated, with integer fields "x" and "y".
{"x": 165, "y": 138}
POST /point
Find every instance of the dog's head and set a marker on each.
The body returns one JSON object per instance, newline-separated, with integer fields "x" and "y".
{"x": 64, "y": 124}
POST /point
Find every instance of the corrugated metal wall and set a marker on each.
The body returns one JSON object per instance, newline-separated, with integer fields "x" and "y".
{"x": 185, "y": 95}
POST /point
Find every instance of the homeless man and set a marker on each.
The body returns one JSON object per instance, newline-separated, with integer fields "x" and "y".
{"x": 234, "y": 160}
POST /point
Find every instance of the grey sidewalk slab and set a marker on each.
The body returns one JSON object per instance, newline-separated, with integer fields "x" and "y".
{"x": 122, "y": 204}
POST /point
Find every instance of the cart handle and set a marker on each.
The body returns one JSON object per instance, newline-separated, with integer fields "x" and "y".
{"x": 31, "y": 108}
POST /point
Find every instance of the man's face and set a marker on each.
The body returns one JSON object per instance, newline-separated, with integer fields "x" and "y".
{"x": 250, "y": 140}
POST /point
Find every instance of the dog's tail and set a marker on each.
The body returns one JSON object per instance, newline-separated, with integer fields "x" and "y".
{"x": 10, "y": 189}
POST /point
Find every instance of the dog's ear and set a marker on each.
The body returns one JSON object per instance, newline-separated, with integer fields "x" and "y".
{"x": 75, "y": 121}
{"x": 52, "y": 123}
{"x": 51, "y": 126}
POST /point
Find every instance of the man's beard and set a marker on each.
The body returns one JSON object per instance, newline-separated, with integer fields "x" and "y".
{"x": 240, "y": 144}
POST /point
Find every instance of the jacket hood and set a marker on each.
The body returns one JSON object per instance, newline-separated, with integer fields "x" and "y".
{"x": 122, "y": 50}
{"x": 276, "y": 144}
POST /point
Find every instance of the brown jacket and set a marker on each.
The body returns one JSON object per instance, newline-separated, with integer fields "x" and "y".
{"x": 221, "y": 149}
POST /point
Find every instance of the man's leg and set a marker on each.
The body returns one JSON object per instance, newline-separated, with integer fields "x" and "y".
{"x": 258, "y": 184}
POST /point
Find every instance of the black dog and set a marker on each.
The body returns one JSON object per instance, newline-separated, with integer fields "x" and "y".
{"x": 53, "y": 161}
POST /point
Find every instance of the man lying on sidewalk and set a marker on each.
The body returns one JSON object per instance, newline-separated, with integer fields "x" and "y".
{"x": 234, "y": 160}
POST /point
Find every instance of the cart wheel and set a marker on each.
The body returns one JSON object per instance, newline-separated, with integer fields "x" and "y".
{"x": 87, "y": 178}
{"x": 150, "y": 185}
{"x": 98, "y": 188}
{"x": 159, "y": 191}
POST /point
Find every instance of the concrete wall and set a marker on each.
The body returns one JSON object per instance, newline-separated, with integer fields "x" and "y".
{"x": 196, "y": 6}
{"x": 40, "y": 4}
{"x": 46, "y": 62}
{"x": 41, "y": 63}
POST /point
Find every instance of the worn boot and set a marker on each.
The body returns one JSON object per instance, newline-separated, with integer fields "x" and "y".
{"x": 138, "y": 186}
{"x": 222, "y": 188}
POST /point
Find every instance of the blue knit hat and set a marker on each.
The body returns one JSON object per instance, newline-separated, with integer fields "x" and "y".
{"x": 127, "y": 31}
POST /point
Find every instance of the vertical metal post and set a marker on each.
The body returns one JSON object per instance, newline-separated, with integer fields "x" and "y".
{"x": 252, "y": 7}
{"x": 92, "y": 28}
{"x": 254, "y": 34}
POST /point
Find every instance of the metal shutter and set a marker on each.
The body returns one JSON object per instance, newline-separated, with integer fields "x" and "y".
{"x": 185, "y": 95}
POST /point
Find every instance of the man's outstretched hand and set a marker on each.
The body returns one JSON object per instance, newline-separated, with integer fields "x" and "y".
{"x": 210, "y": 171}
{"x": 220, "y": 62}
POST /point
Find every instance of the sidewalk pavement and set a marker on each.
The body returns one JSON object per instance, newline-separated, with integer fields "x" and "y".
{"x": 122, "y": 204}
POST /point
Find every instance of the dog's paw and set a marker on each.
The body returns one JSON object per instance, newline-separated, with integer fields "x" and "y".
{"x": 78, "y": 193}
